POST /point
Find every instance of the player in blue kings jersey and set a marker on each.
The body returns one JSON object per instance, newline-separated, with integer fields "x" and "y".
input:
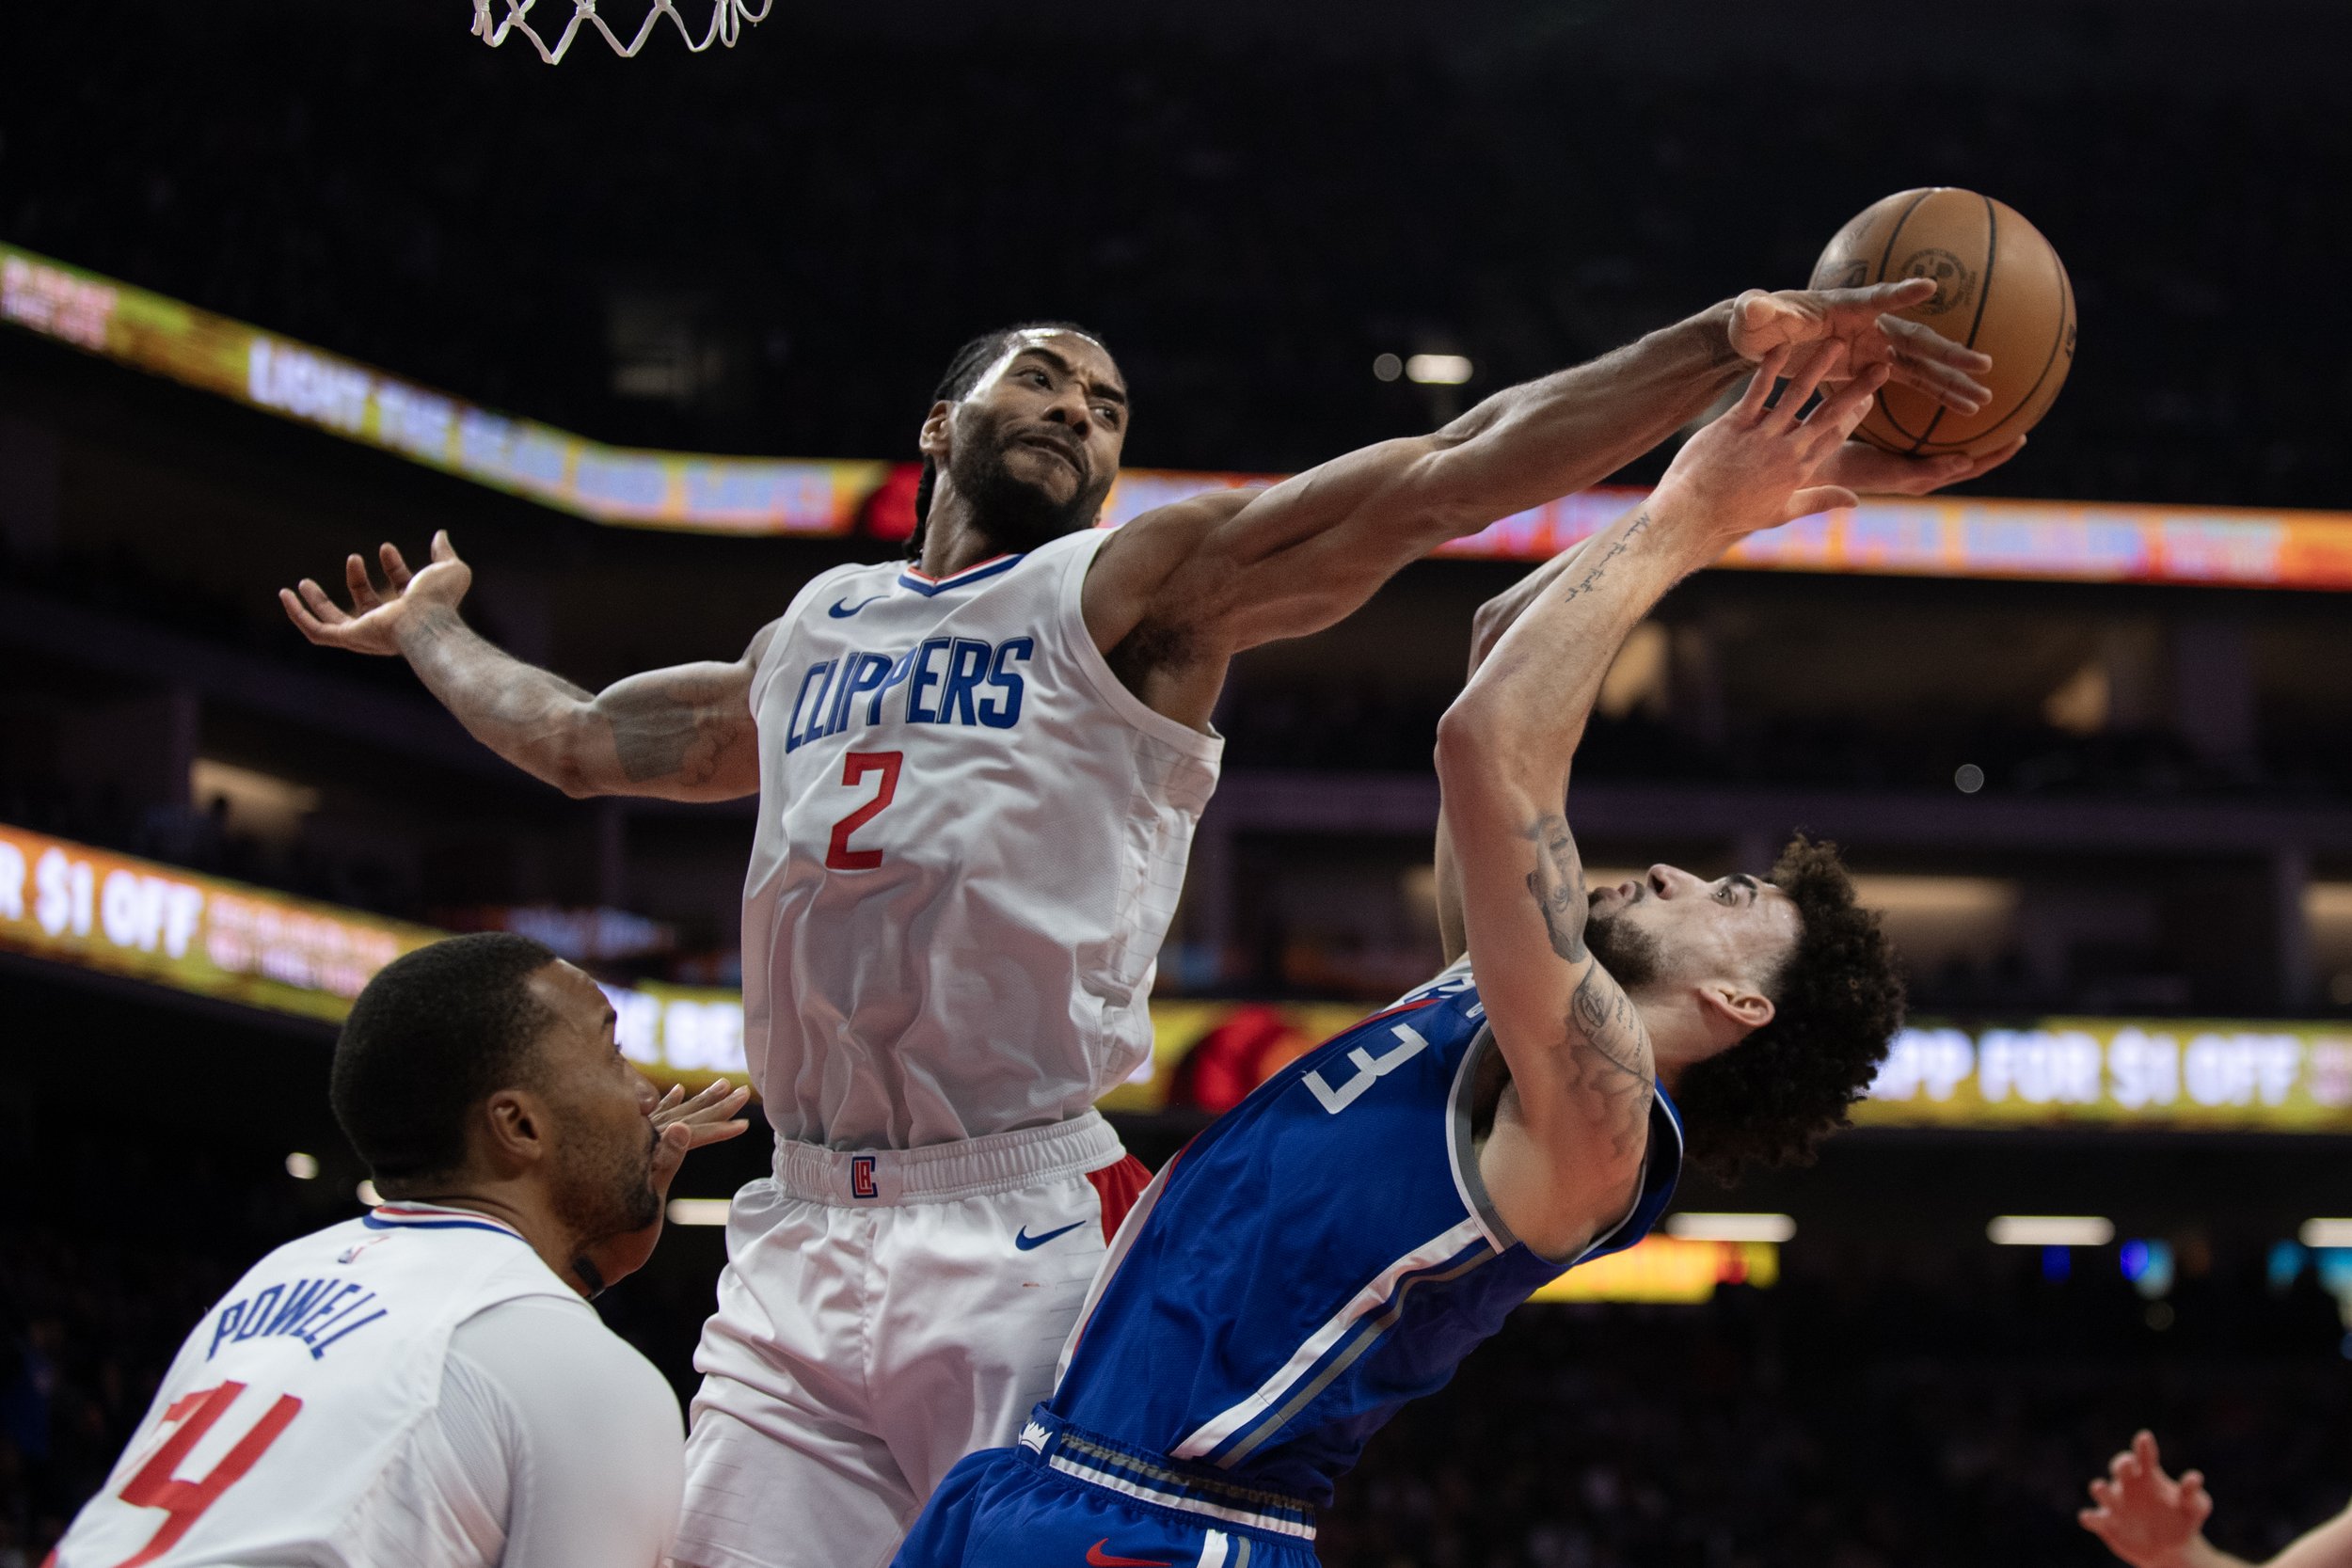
{"x": 1334, "y": 1245}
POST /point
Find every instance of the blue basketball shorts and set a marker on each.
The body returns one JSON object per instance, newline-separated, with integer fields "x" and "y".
{"x": 1062, "y": 1498}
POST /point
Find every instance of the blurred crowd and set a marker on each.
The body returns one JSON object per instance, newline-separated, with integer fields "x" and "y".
{"x": 775, "y": 250}
{"x": 1807, "y": 1432}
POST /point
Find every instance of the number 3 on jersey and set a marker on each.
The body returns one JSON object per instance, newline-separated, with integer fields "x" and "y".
{"x": 838, "y": 855}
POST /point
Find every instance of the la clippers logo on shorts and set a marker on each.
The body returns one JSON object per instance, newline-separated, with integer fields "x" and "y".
{"x": 861, "y": 1177}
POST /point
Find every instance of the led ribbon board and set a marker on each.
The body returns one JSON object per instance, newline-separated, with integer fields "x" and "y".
{"x": 606, "y": 485}
{"x": 643, "y": 488}
{"x": 2179, "y": 1073}
{"x": 96, "y": 909}
{"x": 1665, "y": 1269}
{"x": 92, "y": 909}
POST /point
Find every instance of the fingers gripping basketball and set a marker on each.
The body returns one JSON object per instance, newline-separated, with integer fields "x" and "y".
{"x": 2000, "y": 288}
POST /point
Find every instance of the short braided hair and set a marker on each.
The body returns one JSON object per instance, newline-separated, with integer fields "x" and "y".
{"x": 964, "y": 374}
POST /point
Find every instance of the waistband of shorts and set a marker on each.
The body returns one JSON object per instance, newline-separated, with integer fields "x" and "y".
{"x": 1050, "y": 1443}
{"x": 995, "y": 1164}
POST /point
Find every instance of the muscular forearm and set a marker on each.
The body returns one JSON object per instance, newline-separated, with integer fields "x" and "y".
{"x": 1528, "y": 702}
{"x": 526, "y": 714}
{"x": 681, "y": 734}
{"x": 1532, "y": 443}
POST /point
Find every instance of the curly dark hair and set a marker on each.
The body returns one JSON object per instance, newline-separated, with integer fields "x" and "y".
{"x": 1771, "y": 1098}
{"x": 963, "y": 373}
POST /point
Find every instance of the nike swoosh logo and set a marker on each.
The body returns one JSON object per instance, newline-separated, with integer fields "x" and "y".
{"x": 841, "y": 610}
{"x": 1027, "y": 1243}
{"x": 1100, "y": 1558}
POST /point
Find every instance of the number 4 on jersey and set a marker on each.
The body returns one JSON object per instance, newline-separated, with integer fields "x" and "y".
{"x": 838, "y": 855}
{"x": 186, "y": 1501}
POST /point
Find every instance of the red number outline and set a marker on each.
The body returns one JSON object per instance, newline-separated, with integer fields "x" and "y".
{"x": 838, "y": 855}
{"x": 186, "y": 1501}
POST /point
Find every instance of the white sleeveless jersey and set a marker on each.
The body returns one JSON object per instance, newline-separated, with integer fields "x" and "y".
{"x": 971, "y": 841}
{"x": 271, "y": 1437}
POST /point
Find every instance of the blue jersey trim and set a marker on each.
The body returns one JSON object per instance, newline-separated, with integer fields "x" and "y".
{"x": 375, "y": 1224}
{"x": 927, "y": 587}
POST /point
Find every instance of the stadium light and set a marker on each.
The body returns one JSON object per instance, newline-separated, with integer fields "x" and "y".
{"x": 1437, "y": 369}
{"x": 2050, "y": 1230}
{"x": 698, "y": 1210}
{"x": 2325, "y": 1233}
{"x": 1387, "y": 366}
{"x": 301, "y": 1166}
{"x": 1694, "y": 1227}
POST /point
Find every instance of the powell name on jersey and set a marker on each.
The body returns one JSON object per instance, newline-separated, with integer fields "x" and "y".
{"x": 291, "y": 1401}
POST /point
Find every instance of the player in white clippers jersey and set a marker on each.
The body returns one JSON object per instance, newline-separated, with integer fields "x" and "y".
{"x": 979, "y": 775}
{"x": 427, "y": 1385}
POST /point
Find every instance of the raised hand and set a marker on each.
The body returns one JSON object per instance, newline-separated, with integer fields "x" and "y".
{"x": 373, "y": 624}
{"x": 2145, "y": 1516}
{"x": 710, "y": 1118}
{"x": 1749, "y": 469}
{"x": 1860, "y": 323}
{"x": 681, "y": 1127}
{"x": 1872, "y": 470}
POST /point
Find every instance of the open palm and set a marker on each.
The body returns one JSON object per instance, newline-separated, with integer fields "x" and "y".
{"x": 373, "y": 622}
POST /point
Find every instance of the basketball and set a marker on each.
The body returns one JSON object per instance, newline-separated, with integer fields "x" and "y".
{"x": 2000, "y": 288}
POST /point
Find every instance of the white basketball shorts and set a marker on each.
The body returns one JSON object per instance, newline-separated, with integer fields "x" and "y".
{"x": 880, "y": 1316}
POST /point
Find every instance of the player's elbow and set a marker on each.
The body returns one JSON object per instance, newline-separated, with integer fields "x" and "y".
{"x": 1482, "y": 732}
{"x": 1461, "y": 750}
{"x": 566, "y": 757}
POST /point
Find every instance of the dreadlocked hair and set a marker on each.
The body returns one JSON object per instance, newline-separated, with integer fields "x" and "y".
{"x": 963, "y": 374}
{"x": 1839, "y": 999}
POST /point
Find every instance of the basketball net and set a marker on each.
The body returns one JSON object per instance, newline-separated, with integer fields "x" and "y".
{"x": 727, "y": 19}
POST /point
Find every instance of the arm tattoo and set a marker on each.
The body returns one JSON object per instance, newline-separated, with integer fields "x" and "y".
{"x": 1590, "y": 578}
{"x": 1610, "y": 1054}
{"x": 1608, "y": 1050}
{"x": 679, "y": 731}
{"x": 1557, "y": 885}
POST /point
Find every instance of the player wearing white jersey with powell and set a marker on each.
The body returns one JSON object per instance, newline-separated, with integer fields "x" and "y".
{"x": 979, "y": 775}
{"x": 426, "y": 1383}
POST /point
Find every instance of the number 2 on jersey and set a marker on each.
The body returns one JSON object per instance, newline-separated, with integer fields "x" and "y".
{"x": 838, "y": 855}
{"x": 186, "y": 1501}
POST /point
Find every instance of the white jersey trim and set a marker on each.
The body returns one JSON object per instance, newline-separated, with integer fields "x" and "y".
{"x": 1103, "y": 1479}
{"x": 1375, "y": 1295}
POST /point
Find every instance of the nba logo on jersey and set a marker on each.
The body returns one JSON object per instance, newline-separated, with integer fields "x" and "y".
{"x": 861, "y": 1177}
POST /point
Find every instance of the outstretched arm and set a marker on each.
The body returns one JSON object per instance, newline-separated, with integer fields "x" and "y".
{"x": 1578, "y": 1053}
{"x": 1295, "y": 558}
{"x": 2151, "y": 1520}
{"x": 680, "y": 734}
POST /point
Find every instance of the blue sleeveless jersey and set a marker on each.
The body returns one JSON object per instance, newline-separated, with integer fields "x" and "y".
{"x": 1321, "y": 1255}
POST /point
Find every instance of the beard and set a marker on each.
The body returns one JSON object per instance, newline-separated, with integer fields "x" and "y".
{"x": 1631, "y": 955}
{"x": 605, "y": 1190}
{"x": 1015, "y": 513}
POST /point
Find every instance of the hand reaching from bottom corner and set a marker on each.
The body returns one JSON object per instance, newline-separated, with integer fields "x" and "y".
{"x": 2149, "y": 1519}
